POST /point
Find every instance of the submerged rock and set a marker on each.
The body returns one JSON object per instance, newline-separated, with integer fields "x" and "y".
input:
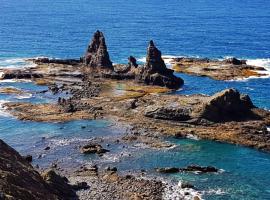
{"x": 96, "y": 54}
{"x": 168, "y": 170}
{"x": 228, "y": 105}
{"x": 155, "y": 71}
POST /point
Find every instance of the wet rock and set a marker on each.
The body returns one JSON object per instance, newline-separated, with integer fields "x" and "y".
{"x": 112, "y": 169}
{"x": 80, "y": 186}
{"x": 235, "y": 61}
{"x": 155, "y": 71}
{"x": 168, "y": 113}
{"x": 228, "y": 105}
{"x": 196, "y": 168}
{"x": 47, "y": 148}
{"x": 93, "y": 148}
{"x": 132, "y": 62}
{"x": 28, "y": 158}
{"x": 17, "y": 74}
{"x": 96, "y": 54}
{"x": 56, "y": 61}
{"x": 186, "y": 185}
{"x": 168, "y": 170}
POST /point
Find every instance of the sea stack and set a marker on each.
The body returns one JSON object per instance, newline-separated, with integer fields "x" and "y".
{"x": 155, "y": 71}
{"x": 96, "y": 54}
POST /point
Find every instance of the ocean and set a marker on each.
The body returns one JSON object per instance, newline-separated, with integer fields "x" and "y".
{"x": 197, "y": 28}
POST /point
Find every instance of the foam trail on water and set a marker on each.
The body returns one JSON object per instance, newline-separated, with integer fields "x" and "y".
{"x": 15, "y": 63}
{"x": 261, "y": 63}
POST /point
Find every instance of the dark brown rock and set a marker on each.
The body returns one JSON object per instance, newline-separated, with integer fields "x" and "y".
{"x": 19, "y": 180}
{"x": 28, "y": 158}
{"x": 93, "y": 148}
{"x": 235, "y": 61}
{"x": 168, "y": 170}
{"x": 196, "y": 168}
{"x": 58, "y": 184}
{"x": 96, "y": 54}
{"x": 132, "y": 62}
{"x": 168, "y": 113}
{"x": 155, "y": 71}
{"x": 228, "y": 105}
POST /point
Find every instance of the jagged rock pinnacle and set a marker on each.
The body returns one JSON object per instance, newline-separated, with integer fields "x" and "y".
{"x": 96, "y": 54}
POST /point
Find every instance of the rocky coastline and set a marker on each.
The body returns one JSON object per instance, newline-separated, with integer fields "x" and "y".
{"x": 138, "y": 96}
{"x": 227, "y": 69}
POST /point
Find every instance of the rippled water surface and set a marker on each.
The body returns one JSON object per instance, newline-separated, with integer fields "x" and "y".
{"x": 201, "y": 28}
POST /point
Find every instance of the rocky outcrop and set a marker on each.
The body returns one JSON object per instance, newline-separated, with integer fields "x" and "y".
{"x": 55, "y": 61}
{"x": 155, "y": 71}
{"x": 96, "y": 54}
{"x": 228, "y": 105}
{"x": 190, "y": 168}
{"x": 19, "y": 180}
{"x": 235, "y": 61}
{"x": 132, "y": 62}
{"x": 93, "y": 148}
{"x": 58, "y": 184}
{"x": 168, "y": 113}
{"x": 20, "y": 74}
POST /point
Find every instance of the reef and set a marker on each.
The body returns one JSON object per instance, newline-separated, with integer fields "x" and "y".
{"x": 228, "y": 69}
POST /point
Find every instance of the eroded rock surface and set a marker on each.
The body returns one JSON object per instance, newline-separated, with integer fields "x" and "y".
{"x": 228, "y": 69}
{"x": 155, "y": 71}
{"x": 19, "y": 180}
{"x": 228, "y": 105}
{"x": 96, "y": 54}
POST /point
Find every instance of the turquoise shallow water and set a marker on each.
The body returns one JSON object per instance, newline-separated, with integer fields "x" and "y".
{"x": 203, "y": 28}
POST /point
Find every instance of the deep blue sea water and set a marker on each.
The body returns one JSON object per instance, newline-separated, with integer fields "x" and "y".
{"x": 203, "y": 28}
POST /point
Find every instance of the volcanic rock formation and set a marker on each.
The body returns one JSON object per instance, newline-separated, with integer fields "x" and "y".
{"x": 228, "y": 105}
{"x": 155, "y": 71}
{"x": 96, "y": 54}
{"x": 19, "y": 180}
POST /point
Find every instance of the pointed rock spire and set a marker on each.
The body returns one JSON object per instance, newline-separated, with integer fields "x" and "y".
{"x": 155, "y": 71}
{"x": 154, "y": 61}
{"x": 96, "y": 54}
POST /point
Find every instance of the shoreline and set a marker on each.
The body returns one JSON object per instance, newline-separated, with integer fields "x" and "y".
{"x": 140, "y": 98}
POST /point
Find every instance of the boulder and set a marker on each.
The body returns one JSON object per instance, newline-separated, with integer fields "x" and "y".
{"x": 155, "y": 71}
{"x": 58, "y": 184}
{"x": 196, "y": 168}
{"x": 228, "y": 105}
{"x": 19, "y": 180}
{"x": 168, "y": 170}
{"x": 96, "y": 54}
{"x": 93, "y": 148}
{"x": 168, "y": 113}
{"x": 132, "y": 62}
{"x": 235, "y": 61}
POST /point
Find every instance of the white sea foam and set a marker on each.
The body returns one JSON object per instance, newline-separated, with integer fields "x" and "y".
{"x": 24, "y": 96}
{"x": 65, "y": 142}
{"x": 15, "y": 80}
{"x": 15, "y": 63}
{"x": 177, "y": 192}
{"x": 193, "y": 137}
{"x": 268, "y": 128}
{"x": 167, "y": 59}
